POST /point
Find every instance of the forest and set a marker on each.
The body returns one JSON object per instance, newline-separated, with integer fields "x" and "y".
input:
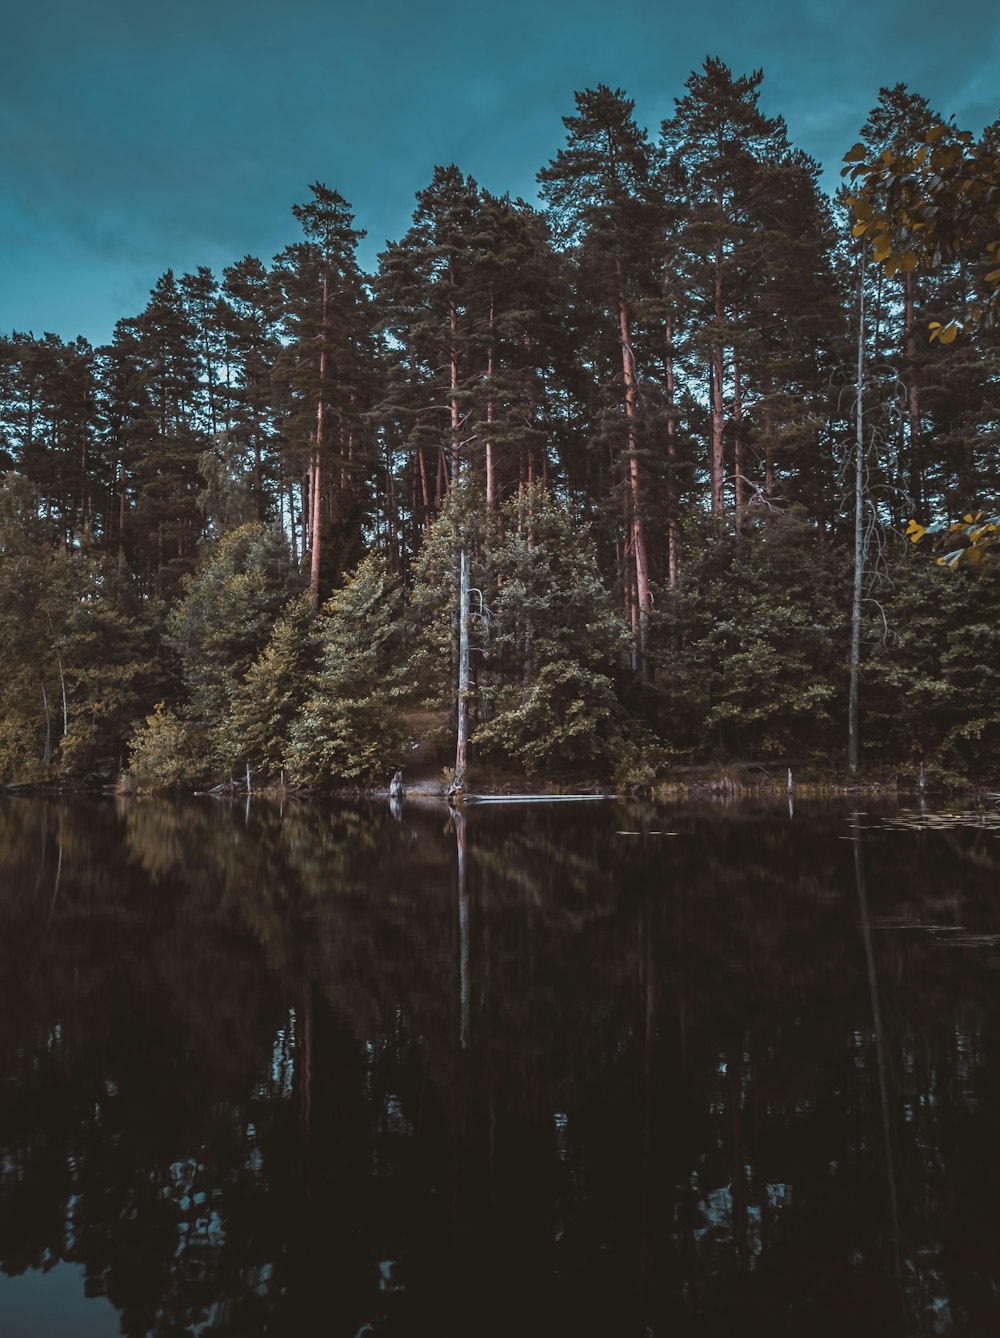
{"x": 682, "y": 416}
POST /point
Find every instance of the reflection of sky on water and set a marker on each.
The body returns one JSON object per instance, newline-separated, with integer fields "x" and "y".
{"x": 52, "y": 1304}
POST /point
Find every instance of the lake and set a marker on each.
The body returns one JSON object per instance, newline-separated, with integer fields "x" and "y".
{"x": 601, "y": 1068}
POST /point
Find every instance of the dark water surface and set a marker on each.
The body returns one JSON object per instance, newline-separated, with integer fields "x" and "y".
{"x": 598, "y": 1069}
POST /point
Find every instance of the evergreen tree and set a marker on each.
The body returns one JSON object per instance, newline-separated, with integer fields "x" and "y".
{"x": 749, "y": 253}
{"x": 326, "y": 363}
{"x": 600, "y": 193}
{"x": 468, "y": 300}
{"x": 49, "y": 422}
{"x": 203, "y": 306}
{"x": 154, "y": 398}
{"x": 272, "y": 695}
{"x": 78, "y": 641}
{"x": 555, "y": 644}
{"x": 251, "y": 315}
{"x": 754, "y": 633}
{"x": 223, "y": 623}
{"x": 351, "y": 728}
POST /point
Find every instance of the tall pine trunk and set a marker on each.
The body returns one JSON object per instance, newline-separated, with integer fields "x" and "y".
{"x": 915, "y": 473}
{"x": 637, "y": 535}
{"x": 673, "y": 551}
{"x": 316, "y": 489}
{"x": 717, "y": 377}
{"x": 491, "y": 483}
{"x": 859, "y": 539}
{"x": 739, "y": 476}
{"x": 456, "y": 418}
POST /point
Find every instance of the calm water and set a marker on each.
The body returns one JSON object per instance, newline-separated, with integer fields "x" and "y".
{"x": 598, "y": 1069}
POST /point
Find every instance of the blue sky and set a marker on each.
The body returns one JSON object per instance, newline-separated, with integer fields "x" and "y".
{"x": 136, "y": 137}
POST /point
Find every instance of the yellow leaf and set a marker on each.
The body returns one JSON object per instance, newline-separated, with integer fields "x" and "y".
{"x": 921, "y": 155}
{"x": 916, "y": 531}
{"x": 942, "y": 158}
{"x": 859, "y": 229}
{"x": 993, "y": 276}
{"x": 935, "y": 134}
{"x": 855, "y": 155}
{"x": 949, "y": 334}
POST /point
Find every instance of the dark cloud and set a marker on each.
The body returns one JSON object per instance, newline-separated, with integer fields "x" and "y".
{"x": 140, "y": 137}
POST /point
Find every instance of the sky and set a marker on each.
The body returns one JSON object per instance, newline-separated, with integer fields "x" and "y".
{"x": 138, "y": 136}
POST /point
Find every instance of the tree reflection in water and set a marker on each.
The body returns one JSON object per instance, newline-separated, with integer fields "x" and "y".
{"x": 611, "y": 1070}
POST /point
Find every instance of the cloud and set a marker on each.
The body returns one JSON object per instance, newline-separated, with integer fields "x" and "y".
{"x": 142, "y": 137}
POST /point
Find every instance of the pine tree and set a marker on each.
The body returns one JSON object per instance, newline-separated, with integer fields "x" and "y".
{"x": 222, "y": 625}
{"x": 326, "y": 363}
{"x": 251, "y": 315}
{"x": 49, "y": 421}
{"x": 750, "y": 255}
{"x": 554, "y": 644}
{"x": 154, "y": 397}
{"x": 77, "y": 648}
{"x": 467, "y": 299}
{"x": 272, "y": 695}
{"x": 351, "y": 728}
{"x": 600, "y": 194}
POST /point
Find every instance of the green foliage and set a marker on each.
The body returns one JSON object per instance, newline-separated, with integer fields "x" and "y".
{"x": 550, "y": 600}
{"x": 932, "y": 690}
{"x": 568, "y": 717}
{"x": 162, "y": 753}
{"x": 752, "y": 644}
{"x": 223, "y": 623}
{"x": 271, "y": 695}
{"x": 554, "y": 641}
{"x": 432, "y": 610}
{"x": 350, "y": 727}
{"x": 77, "y": 644}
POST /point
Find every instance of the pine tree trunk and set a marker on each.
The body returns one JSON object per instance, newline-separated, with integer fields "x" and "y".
{"x": 293, "y": 529}
{"x": 859, "y": 552}
{"x": 47, "y": 754}
{"x": 915, "y": 463}
{"x": 456, "y": 418}
{"x": 462, "y": 742}
{"x": 315, "y": 519}
{"x": 637, "y": 536}
{"x": 673, "y": 551}
{"x": 717, "y": 463}
{"x": 768, "y": 454}
{"x": 491, "y": 483}
{"x": 739, "y": 477}
{"x": 121, "y": 511}
{"x": 425, "y": 492}
{"x": 315, "y": 525}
